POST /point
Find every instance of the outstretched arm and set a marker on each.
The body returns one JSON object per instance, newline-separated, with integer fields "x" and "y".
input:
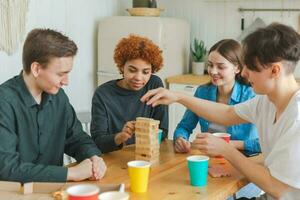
{"x": 211, "y": 111}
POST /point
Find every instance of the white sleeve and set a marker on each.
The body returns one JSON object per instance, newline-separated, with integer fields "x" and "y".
{"x": 284, "y": 159}
{"x": 247, "y": 110}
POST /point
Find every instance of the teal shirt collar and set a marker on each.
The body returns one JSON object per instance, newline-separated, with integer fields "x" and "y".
{"x": 235, "y": 94}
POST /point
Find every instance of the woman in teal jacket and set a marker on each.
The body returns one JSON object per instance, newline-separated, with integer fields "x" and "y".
{"x": 228, "y": 87}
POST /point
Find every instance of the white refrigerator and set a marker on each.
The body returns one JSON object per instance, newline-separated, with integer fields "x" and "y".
{"x": 170, "y": 34}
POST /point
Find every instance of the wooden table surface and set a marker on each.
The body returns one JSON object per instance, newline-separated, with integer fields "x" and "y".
{"x": 168, "y": 180}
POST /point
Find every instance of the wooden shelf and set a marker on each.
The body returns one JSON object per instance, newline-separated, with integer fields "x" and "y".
{"x": 192, "y": 79}
{"x": 189, "y": 79}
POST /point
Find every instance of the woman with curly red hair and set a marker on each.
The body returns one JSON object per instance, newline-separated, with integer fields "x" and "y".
{"x": 116, "y": 104}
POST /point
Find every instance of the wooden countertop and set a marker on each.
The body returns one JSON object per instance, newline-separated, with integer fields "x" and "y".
{"x": 189, "y": 79}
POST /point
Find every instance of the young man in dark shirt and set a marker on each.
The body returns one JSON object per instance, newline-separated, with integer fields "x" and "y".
{"x": 37, "y": 122}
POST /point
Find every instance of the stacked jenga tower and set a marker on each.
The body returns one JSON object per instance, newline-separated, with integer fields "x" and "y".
{"x": 146, "y": 140}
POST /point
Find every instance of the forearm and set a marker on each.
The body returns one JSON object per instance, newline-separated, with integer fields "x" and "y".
{"x": 181, "y": 132}
{"x": 81, "y": 146}
{"x": 28, "y": 172}
{"x": 256, "y": 173}
{"x": 211, "y": 111}
{"x": 238, "y": 144}
{"x": 186, "y": 125}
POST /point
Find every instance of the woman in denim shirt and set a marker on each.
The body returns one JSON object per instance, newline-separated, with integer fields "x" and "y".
{"x": 228, "y": 87}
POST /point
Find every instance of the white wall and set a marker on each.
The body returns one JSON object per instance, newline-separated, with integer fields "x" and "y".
{"x": 77, "y": 19}
{"x": 211, "y": 20}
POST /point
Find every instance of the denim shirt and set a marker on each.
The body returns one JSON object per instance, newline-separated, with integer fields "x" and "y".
{"x": 246, "y": 132}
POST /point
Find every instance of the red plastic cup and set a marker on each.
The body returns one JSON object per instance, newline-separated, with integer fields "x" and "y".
{"x": 83, "y": 192}
{"x": 224, "y": 136}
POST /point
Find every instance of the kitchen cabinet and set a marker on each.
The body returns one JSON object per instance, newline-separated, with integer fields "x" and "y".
{"x": 186, "y": 83}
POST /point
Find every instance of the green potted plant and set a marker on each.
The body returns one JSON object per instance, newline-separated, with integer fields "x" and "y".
{"x": 144, "y": 3}
{"x": 198, "y": 52}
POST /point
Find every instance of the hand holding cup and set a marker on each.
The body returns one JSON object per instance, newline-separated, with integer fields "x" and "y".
{"x": 209, "y": 144}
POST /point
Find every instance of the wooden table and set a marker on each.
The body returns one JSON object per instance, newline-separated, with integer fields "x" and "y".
{"x": 168, "y": 180}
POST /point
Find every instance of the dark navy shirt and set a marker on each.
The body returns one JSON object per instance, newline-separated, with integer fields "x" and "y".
{"x": 113, "y": 106}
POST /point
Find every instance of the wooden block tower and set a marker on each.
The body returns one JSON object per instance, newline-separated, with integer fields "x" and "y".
{"x": 146, "y": 140}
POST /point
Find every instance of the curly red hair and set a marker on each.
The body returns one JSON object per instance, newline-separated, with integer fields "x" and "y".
{"x": 135, "y": 47}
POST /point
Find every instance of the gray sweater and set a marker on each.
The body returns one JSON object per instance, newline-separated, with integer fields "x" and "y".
{"x": 113, "y": 106}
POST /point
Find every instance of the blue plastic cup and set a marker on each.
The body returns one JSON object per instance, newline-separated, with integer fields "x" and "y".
{"x": 198, "y": 168}
{"x": 160, "y": 131}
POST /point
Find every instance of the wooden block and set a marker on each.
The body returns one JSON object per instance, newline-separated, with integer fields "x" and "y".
{"x": 147, "y": 152}
{"x": 10, "y": 186}
{"x": 146, "y": 132}
{"x": 144, "y": 143}
{"x": 147, "y": 137}
{"x": 148, "y": 146}
{"x": 152, "y": 142}
{"x": 146, "y": 121}
{"x": 27, "y": 188}
{"x": 142, "y": 119}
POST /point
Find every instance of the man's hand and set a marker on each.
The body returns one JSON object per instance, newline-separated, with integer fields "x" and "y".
{"x": 210, "y": 144}
{"x": 126, "y": 133}
{"x": 98, "y": 167}
{"x": 160, "y": 96}
{"x": 81, "y": 171}
{"x": 182, "y": 146}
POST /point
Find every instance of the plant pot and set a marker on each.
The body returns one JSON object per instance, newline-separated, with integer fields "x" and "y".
{"x": 140, "y": 3}
{"x": 198, "y": 68}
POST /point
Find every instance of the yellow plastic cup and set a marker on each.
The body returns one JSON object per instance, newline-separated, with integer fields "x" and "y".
{"x": 139, "y": 174}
